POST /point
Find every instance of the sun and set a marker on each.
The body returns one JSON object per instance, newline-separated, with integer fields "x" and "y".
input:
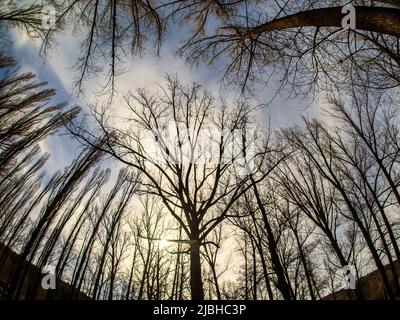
{"x": 163, "y": 243}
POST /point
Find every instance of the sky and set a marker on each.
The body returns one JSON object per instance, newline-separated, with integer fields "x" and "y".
{"x": 141, "y": 72}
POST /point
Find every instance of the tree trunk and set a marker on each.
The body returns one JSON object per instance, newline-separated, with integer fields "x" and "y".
{"x": 281, "y": 283}
{"x": 375, "y": 19}
{"x": 196, "y": 283}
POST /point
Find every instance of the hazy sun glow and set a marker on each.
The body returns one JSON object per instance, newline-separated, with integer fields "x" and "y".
{"x": 163, "y": 243}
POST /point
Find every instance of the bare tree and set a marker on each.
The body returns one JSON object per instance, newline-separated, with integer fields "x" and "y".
{"x": 204, "y": 193}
